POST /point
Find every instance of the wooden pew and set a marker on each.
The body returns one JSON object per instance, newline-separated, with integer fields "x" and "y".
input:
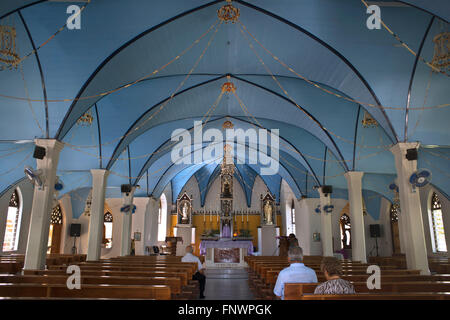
{"x": 158, "y": 292}
{"x": 295, "y": 291}
{"x": 382, "y": 296}
{"x": 172, "y": 282}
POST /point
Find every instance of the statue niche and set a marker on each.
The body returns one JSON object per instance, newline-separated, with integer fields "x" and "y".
{"x": 184, "y": 209}
{"x": 268, "y": 210}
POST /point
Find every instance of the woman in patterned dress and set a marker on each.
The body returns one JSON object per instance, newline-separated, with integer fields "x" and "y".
{"x": 332, "y": 270}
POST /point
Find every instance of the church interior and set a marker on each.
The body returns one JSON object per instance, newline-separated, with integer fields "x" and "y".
{"x": 134, "y": 130}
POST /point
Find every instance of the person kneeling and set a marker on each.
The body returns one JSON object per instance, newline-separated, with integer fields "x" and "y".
{"x": 332, "y": 269}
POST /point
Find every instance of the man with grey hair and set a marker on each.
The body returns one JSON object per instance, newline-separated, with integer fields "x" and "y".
{"x": 297, "y": 272}
{"x": 199, "y": 275}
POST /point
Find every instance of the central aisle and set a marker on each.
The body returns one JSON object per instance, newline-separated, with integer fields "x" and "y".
{"x": 227, "y": 284}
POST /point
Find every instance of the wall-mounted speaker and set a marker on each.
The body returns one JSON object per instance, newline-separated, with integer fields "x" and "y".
{"x": 411, "y": 154}
{"x": 75, "y": 230}
{"x": 327, "y": 189}
{"x": 125, "y": 188}
{"x": 375, "y": 231}
{"x": 39, "y": 152}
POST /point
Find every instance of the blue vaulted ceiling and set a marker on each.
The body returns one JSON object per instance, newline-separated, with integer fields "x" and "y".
{"x": 104, "y": 69}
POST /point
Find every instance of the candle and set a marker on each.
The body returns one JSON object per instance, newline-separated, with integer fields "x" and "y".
{"x": 204, "y": 216}
{"x": 247, "y": 215}
{"x": 242, "y": 217}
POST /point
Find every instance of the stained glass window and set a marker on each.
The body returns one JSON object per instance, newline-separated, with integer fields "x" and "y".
{"x": 56, "y": 217}
{"x": 437, "y": 224}
{"x": 12, "y": 228}
{"x": 394, "y": 211}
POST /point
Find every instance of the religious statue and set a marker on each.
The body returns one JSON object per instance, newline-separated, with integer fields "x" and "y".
{"x": 185, "y": 212}
{"x": 268, "y": 212}
{"x": 184, "y": 207}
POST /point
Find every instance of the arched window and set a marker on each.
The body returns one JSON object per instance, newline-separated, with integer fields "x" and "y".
{"x": 54, "y": 234}
{"x": 107, "y": 230}
{"x": 13, "y": 219}
{"x": 162, "y": 218}
{"x": 290, "y": 219}
{"x": 394, "y": 212}
{"x": 346, "y": 229}
{"x": 437, "y": 225}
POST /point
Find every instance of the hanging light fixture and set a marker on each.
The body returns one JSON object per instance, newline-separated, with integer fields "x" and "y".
{"x": 8, "y": 54}
{"x": 441, "y": 58}
{"x": 228, "y": 13}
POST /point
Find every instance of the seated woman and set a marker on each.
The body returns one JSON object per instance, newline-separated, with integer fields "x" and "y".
{"x": 332, "y": 270}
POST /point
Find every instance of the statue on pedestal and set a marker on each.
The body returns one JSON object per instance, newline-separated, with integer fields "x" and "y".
{"x": 184, "y": 209}
{"x": 268, "y": 211}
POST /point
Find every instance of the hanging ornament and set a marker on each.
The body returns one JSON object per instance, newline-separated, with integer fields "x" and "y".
{"x": 8, "y": 54}
{"x": 86, "y": 119}
{"x": 441, "y": 58}
{"x": 368, "y": 121}
{"x": 228, "y": 13}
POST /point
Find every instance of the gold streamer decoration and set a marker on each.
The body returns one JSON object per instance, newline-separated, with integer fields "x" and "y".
{"x": 340, "y": 96}
{"x": 407, "y": 47}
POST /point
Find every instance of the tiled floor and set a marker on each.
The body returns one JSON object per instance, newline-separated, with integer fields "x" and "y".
{"x": 227, "y": 284}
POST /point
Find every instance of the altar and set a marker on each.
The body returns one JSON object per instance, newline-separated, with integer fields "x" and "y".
{"x": 226, "y": 253}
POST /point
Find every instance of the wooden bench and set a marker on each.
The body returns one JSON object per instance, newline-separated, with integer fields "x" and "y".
{"x": 172, "y": 282}
{"x": 384, "y": 296}
{"x": 295, "y": 291}
{"x": 158, "y": 292}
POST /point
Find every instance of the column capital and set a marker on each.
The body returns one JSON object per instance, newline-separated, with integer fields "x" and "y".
{"x": 49, "y": 143}
{"x": 354, "y": 175}
{"x": 322, "y": 195}
{"x": 401, "y": 147}
{"x": 99, "y": 172}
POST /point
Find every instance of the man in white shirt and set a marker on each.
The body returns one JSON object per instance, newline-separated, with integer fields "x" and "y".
{"x": 199, "y": 275}
{"x": 297, "y": 272}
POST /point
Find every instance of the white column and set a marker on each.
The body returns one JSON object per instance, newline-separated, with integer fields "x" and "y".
{"x": 127, "y": 218}
{"x": 36, "y": 252}
{"x": 354, "y": 182}
{"x": 99, "y": 178}
{"x": 326, "y": 231}
{"x": 410, "y": 210}
{"x": 151, "y": 222}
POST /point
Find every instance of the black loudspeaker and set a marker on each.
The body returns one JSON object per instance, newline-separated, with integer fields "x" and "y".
{"x": 75, "y": 230}
{"x": 125, "y": 188}
{"x": 411, "y": 154}
{"x": 375, "y": 231}
{"x": 327, "y": 189}
{"x": 39, "y": 153}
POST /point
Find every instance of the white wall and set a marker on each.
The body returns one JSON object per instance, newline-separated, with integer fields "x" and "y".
{"x": 308, "y": 222}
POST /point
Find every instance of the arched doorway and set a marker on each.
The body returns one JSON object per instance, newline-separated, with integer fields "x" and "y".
{"x": 54, "y": 235}
{"x": 346, "y": 231}
{"x": 394, "y": 212}
{"x": 107, "y": 230}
